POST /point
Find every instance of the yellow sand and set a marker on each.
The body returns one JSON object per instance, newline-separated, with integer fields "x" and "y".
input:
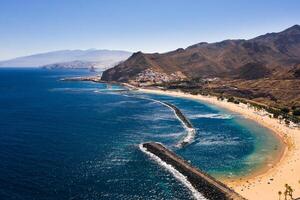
{"x": 264, "y": 185}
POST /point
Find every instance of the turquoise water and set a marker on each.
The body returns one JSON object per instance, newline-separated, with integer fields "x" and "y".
{"x": 79, "y": 140}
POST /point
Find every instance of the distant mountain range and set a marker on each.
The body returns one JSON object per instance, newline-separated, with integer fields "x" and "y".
{"x": 265, "y": 69}
{"x": 70, "y": 59}
{"x": 76, "y": 65}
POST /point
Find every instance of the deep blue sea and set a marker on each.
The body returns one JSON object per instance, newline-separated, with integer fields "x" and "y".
{"x": 79, "y": 140}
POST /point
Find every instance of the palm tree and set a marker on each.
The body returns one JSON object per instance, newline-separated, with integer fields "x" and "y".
{"x": 279, "y": 194}
{"x": 288, "y": 192}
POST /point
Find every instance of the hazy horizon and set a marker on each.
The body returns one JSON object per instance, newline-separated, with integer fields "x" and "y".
{"x": 61, "y": 50}
{"x": 122, "y": 50}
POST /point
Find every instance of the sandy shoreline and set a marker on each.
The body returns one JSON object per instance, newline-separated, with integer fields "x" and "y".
{"x": 266, "y": 182}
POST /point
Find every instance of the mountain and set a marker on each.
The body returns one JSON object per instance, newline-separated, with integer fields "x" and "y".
{"x": 265, "y": 69}
{"x": 263, "y": 56}
{"x": 71, "y": 65}
{"x": 77, "y": 64}
{"x": 101, "y": 58}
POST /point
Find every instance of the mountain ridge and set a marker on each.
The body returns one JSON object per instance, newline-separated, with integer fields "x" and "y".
{"x": 273, "y": 50}
{"x": 63, "y": 56}
{"x": 264, "y": 69}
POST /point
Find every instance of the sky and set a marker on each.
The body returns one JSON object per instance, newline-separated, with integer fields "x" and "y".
{"x": 36, "y": 26}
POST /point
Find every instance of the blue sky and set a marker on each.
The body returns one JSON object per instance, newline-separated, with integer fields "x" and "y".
{"x": 33, "y": 26}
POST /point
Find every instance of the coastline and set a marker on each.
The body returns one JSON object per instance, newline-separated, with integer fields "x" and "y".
{"x": 266, "y": 181}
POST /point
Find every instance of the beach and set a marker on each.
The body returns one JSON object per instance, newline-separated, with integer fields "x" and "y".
{"x": 266, "y": 182}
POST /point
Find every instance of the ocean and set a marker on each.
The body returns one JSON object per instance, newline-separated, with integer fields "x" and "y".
{"x": 80, "y": 140}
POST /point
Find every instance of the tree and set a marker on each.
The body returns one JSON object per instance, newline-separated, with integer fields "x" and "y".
{"x": 285, "y": 110}
{"x": 288, "y": 192}
{"x": 287, "y": 122}
{"x": 231, "y": 99}
{"x": 279, "y": 194}
{"x": 296, "y": 112}
{"x": 194, "y": 92}
{"x": 236, "y": 102}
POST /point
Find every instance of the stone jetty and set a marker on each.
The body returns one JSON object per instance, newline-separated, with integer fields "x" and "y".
{"x": 208, "y": 186}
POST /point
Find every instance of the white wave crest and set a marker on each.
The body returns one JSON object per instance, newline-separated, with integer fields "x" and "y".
{"x": 168, "y": 135}
{"x": 155, "y": 117}
{"x": 211, "y": 116}
{"x": 191, "y": 132}
{"x": 197, "y": 195}
{"x": 72, "y": 89}
{"x": 218, "y": 141}
{"x": 108, "y": 90}
{"x": 121, "y": 103}
{"x": 189, "y": 138}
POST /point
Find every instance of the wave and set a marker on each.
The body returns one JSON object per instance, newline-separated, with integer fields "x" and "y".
{"x": 73, "y": 89}
{"x": 197, "y": 195}
{"x": 95, "y": 90}
{"x": 211, "y": 116}
{"x": 214, "y": 140}
{"x": 154, "y": 117}
{"x": 191, "y": 131}
{"x": 169, "y": 135}
{"x": 121, "y": 103}
{"x": 109, "y": 90}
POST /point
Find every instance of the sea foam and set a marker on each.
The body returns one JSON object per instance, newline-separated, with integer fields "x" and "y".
{"x": 210, "y": 116}
{"x": 191, "y": 132}
{"x": 197, "y": 195}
